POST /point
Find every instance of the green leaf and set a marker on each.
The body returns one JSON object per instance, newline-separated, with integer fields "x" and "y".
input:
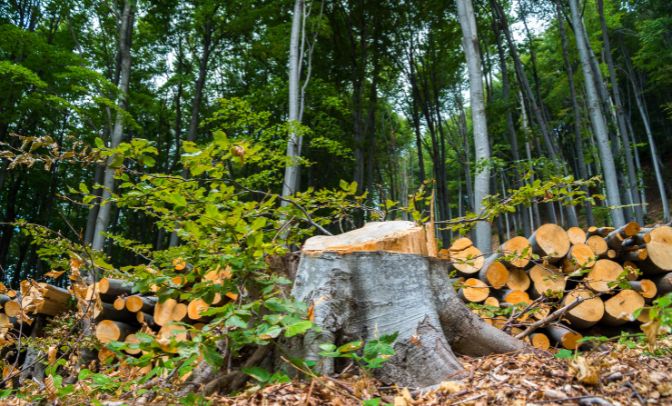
{"x": 258, "y": 373}
{"x": 564, "y": 354}
{"x": 371, "y": 402}
{"x": 212, "y": 355}
{"x": 298, "y": 328}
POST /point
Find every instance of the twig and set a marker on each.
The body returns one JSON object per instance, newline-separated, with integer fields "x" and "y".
{"x": 551, "y": 317}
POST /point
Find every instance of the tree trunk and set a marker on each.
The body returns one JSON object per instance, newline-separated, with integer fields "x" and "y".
{"x": 620, "y": 118}
{"x": 598, "y": 121}
{"x": 362, "y": 295}
{"x": 479, "y": 122}
{"x": 290, "y": 184}
{"x": 125, "y": 35}
{"x": 578, "y": 139}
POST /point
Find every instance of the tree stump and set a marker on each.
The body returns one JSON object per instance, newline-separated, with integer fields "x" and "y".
{"x": 363, "y": 286}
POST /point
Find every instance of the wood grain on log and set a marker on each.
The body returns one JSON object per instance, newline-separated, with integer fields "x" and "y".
{"x": 551, "y": 241}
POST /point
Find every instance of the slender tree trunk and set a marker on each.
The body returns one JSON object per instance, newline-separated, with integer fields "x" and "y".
{"x": 658, "y": 171}
{"x": 125, "y": 35}
{"x": 620, "y": 117}
{"x": 578, "y": 139}
{"x": 415, "y": 115}
{"x": 481, "y": 143}
{"x": 598, "y": 121}
{"x": 290, "y": 184}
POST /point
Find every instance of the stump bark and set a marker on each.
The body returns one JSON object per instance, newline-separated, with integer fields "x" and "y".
{"x": 358, "y": 294}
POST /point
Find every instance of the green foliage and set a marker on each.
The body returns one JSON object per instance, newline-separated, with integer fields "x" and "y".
{"x": 369, "y": 355}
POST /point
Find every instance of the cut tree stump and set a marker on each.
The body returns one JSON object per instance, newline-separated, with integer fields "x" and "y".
{"x": 359, "y": 289}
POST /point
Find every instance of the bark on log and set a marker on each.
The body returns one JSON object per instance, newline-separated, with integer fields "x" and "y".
{"x": 564, "y": 336}
{"x": 114, "y": 287}
{"x": 107, "y": 311}
{"x": 361, "y": 295}
{"x": 646, "y": 287}
{"x": 663, "y": 283}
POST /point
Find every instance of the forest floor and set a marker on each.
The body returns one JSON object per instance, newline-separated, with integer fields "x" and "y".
{"x": 616, "y": 374}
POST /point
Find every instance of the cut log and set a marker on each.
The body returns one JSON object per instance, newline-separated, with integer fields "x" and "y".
{"x": 616, "y": 238}
{"x": 473, "y": 290}
{"x": 518, "y": 279}
{"x": 611, "y": 254}
{"x": 391, "y": 236}
{"x": 637, "y": 255}
{"x": 551, "y": 241}
{"x": 637, "y": 240}
{"x": 163, "y": 312}
{"x": 576, "y": 235}
{"x": 599, "y": 231}
{"x": 659, "y": 251}
{"x": 540, "y": 340}
{"x": 632, "y": 270}
{"x": 137, "y": 303}
{"x": 620, "y": 308}
{"x": 111, "y": 330}
{"x": 361, "y": 294}
{"x": 466, "y": 258}
{"x": 597, "y": 245}
{"x": 646, "y": 287}
{"x": 106, "y": 311}
{"x": 114, "y": 287}
{"x": 563, "y": 336}
{"x": 132, "y": 339}
{"x": 145, "y": 319}
{"x": 515, "y": 297}
{"x": 170, "y": 334}
{"x": 493, "y": 272}
{"x": 197, "y": 306}
{"x": 519, "y": 251}
{"x": 491, "y": 301}
{"x": 119, "y": 303}
{"x": 579, "y": 257}
{"x": 587, "y": 313}
{"x": 55, "y": 294}
{"x": 13, "y": 308}
{"x": 663, "y": 283}
{"x": 604, "y": 273}
{"x": 179, "y": 312}
{"x": 547, "y": 280}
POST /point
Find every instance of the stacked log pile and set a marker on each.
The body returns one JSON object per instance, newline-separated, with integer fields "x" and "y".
{"x": 559, "y": 285}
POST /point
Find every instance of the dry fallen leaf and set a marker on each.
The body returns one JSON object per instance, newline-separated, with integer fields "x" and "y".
{"x": 585, "y": 372}
{"x": 54, "y": 274}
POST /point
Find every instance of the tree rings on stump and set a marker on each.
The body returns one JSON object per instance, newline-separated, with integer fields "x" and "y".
{"x": 620, "y": 308}
{"x": 603, "y": 274}
{"x": 551, "y": 241}
{"x": 587, "y": 313}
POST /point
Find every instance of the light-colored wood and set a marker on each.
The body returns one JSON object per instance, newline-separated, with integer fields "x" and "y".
{"x": 611, "y": 254}
{"x": 597, "y": 245}
{"x": 137, "y": 303}
{"x": 540, "y": 340}
{"x": 12, "y": 308}
{"x": 620, "y": 308}
{"x": 491, "y": 301}
{"x": 55, "y": 294}
{"x": 518, "y": 279}
{"x": 474, "y": 290}
{"x": 547, "y": 279}
{"x": 391, "y": 236}
{"x": 111, "y": 330}
{"x": 119, "y": 303}
{"x": 551, "y": 241}
{"x": 179, "y": 312}
{"x": 461, "y": 244}
{"x": 659, "y": 251}
{"x": 646, "y": 287}
{"x": 576, "y": 235}
{"x": 171, "y": 333}
{"x": 114, "y": 287}
{"x": 467, "y": 261}
{"x": 587, "y": 313}
{"x": 163, "y": 311}
{"x": 519, "y": 249}
{"x": 132, "y": 339}
{"x": 604, "y": 273}
{"x": 515, "y": 297}
{"x": 197, "y": 306}
{"x": 600, "y": 231}
{"x": 493, "y": 272}
{"x": 579, "y": 257}
{"x": 564, "y": 336}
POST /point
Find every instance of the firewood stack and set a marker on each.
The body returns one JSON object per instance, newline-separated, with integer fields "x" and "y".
{"x": 601, "y": 277}
{"x": 119, "y": 313}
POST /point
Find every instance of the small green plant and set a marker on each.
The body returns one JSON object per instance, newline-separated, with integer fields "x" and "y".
{"x": 373, "y": 354}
